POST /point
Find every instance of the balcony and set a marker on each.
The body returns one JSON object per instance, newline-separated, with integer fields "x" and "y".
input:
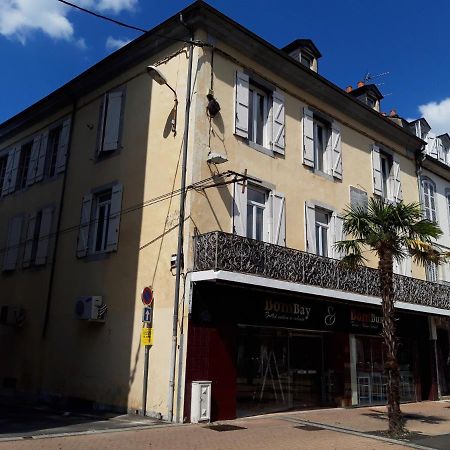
{"x": 222, "y": 251}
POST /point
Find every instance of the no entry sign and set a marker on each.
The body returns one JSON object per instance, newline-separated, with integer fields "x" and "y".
{"x": 147, "y": 296}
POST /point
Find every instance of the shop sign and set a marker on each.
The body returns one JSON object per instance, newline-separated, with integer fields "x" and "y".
{"x": 286, "y": 311}
{"x": 365, "y": 319}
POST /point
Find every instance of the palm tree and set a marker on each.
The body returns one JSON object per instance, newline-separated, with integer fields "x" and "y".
{"x": 392, "y": 232}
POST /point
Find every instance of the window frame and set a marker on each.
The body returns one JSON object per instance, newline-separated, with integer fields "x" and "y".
{"x": 3, "y": 165}
{"x": 24, "y": 164}
{"x": 323, "y": 156}
{"x": 52, "y": 153}
{"x": 425, "y": 181}
{"x": 105, "y": 221}
{"x": 265, "y": 207}
{"x": 386, "y": 161}
{"x": 255, "y": 88}
{"x": 321, "y": 228}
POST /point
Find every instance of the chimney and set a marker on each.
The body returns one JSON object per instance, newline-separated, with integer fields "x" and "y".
{"x": 360, "y": 84}
{"x": 349, "y": 89}
{"x": 393, "y": 113}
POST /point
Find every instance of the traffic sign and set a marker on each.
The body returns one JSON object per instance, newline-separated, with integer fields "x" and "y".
{"x": 147, "y": 296}
{"x": 147, "y": 336}
{"x": 147, "y": 314}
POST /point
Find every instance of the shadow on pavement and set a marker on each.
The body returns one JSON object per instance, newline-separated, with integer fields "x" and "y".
{"x": 432, "y": 420}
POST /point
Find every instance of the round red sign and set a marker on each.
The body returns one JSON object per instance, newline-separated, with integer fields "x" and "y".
{"x": 147, "y": 296}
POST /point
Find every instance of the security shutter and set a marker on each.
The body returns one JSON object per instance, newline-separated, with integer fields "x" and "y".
{"x": 278, "y": 123}
{"x": 395, "y": 180}
{"x": 279, "y": 218}
{"x": 241, "y": 104}
{"x": 83, "y": 232}
{"x": 114, "y": 218}
{"x": 112, "y": 121}
{"x": 13, "y": 243}
{"x": 308, "y": 137}
{"x": 240, "y": 209}
{"x": 34, "y": 157}
{"x": 63, "y": 147}
{"x": 310, "y": 215}
{"x": 28, "y": 252}
{"x": 40, "y": 163}
{"x": 336, "y": 150}
{"x": 376, "y": 171}
{"x": 44, "y": 237}
{"x": 338, "y": 234}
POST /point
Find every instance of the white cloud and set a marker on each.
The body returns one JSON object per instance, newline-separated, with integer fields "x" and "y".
{"x": 437, "y": 114}
{"x": 20, "y": 18}
{"x": 113, "y": 44}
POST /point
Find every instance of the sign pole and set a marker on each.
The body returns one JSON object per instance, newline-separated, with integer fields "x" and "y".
{"x": 146, "y": 339}
{"x": 144, "y": 390}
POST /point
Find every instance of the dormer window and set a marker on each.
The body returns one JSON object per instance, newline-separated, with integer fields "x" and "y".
{"x": 307, "y": 59}
{"x": 368, "y": 94}
{"x": 305, "y": 52}
{"x": 371, "y": 102}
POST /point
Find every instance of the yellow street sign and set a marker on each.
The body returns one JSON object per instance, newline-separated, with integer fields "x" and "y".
{"x": 147, "y": 336}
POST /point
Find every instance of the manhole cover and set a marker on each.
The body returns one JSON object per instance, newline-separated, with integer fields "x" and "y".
{"x": 308, "y": 428}
{"x": 225, "y": 427}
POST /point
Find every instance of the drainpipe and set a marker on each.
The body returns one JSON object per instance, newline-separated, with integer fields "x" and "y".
{"x": 179, "y": 260}
{"x": 58, "y": 226}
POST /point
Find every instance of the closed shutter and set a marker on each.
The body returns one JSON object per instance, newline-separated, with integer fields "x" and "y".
{"x": 44, "y": 236}
{"x": 432, "y": 145}
{"x": 310, "y": 215}
{"x": 63, "y": 146}
{"x": 112, "y": 122}
{"x": 278, "y": 122}
{"x": 114, "y": 218}
{"x": 279, "y": 218}
{"x": 13, "y": 243}
{"x": 308, "y": 137}
{"x": 403, "y": 267}
{"x": 395, "y": 180}
{"x": 336, "y": 150}
{"x": 27, "y": 254}
{"x": 240, "y": 209}
{"x": 376, "y": 171}
{"x": 338, "y": 234}
{"x": 34, "y": 157}
{"x": 241, "y": 104}
{"x": 40, "y": 164}
{"x": 15, "y": 170}
{"x": 85, "y": 221}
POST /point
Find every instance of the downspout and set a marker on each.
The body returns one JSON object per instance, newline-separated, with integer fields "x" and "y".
{"x": 58, "y": 226}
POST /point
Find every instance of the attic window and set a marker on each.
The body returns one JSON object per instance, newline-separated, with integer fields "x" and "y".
{"x": 306, "y": 59}
{"x": 371, "y": 101}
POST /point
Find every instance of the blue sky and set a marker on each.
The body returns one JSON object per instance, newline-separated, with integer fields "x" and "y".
{"x": 44, "y": 44}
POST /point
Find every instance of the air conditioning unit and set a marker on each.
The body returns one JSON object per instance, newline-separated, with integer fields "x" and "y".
{"x": 90, "y": 308}
{"x": 12, "y": 315}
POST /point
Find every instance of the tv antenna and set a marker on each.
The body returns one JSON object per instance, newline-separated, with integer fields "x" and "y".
{"x": 369, "y": 76}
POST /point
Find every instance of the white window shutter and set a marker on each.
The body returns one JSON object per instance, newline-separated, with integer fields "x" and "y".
{"x": 440, "y": 149}
{"x": 432, "y": 145}
{"x": 63, "y": 146}
{"x": 241, "y": 104}
{"x": 40, "y": 164}
{"x": 240, "y": 209}
{"x": 395, "y": 180}
{"x": 85, "y": 221}
{"x": 336, "y": 150}
{"x": 376, "y": 170}
{"x": 112, "y": 122}
{"x": 12, "y": 167}
{"x": 34, "y": 156}
{"x": 338, "y": 234}
{"x": 13, "y": 243}
{"x": 28, "y": 252}
{"x": 308, "y": 137}
{"x": 310, "y": 216}
{"x": 114, "y": 218}
{"x": 8, "y": 171}
{"x": 278, "y": 122}
{"x": 101, "y": 124}
{"x": 279, "y": 218}
{"x": 44, "y": 236}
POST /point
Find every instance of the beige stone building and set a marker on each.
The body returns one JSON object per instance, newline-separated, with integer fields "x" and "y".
{"x": 90, "y": 197}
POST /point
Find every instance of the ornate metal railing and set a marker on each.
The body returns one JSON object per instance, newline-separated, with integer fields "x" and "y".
{"x": 222, "y": 251}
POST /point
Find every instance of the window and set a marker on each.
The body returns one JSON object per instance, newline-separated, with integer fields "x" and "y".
{"x": 256, "y": 214}
{"x": 24, "y": 162}
{"x": 386, "y": 166}
{"x": 306, "y": 59}
{"x": 322, "y": 144}
{"x": 386, "y": 174}
{"x": 429, "y": 199}
{"x": 431, "y": 272}
{"x": 100, "y": 221}
{"x": 52, "y": 151}
{"x": 322, "y": 229}
{"x": 259, "y": 114}
{"x": 12, "y": 246}
{"x": 3, "y": 163}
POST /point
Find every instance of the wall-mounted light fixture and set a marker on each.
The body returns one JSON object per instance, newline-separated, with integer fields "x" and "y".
{"x": 154, "y": 73}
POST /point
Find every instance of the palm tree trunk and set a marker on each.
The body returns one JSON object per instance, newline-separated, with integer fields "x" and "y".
{"x": 396, "y": 425}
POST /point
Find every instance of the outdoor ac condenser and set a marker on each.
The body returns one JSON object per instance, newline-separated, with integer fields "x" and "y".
{"x": 90, "y": 308}
{"x": 201, "y": 401}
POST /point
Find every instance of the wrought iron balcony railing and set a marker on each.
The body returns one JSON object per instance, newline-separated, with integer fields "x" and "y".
{"x": 222, "y": 251}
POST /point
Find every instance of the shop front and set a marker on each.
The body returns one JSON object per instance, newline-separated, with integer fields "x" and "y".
{"x": 265, "y": 351}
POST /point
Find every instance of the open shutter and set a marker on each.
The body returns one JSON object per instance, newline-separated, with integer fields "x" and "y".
{"x": 403, "y": 267}
{"x": 336, "y": 150}
{"x": 40, "y": 164}
{"x": 338, "y": 234}
{"x": 395, "y": 180}
{"x": 63, "y": 146}
{"x": 240, "y": 209}
{"x": 114, "y": 218}
{"x": 83, "y": 231}
{"x": 308, "y": 137}
{"x": 9, "y": 165}
{"x": 34, "y": 157}
{"x": 310, "y": 215}
{"x": 27, "y": 254}
{"x": 376, "y": 170}
{"x": 440, "y": 149}
{"x": 278, "y": 122}
{"x": 44, "y": 236}
{"x": 12, "y": 167}
{"x": 15, "y": 170}
{"x": 13, "y": 243}
{"x": 279, "y": 218}
{"x": 112, "y": 122}
{"x": 432, "y": 145}
{"x": 241, "y": 104}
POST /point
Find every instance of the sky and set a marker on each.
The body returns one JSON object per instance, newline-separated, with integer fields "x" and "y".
{"x": 44, "y": 44}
